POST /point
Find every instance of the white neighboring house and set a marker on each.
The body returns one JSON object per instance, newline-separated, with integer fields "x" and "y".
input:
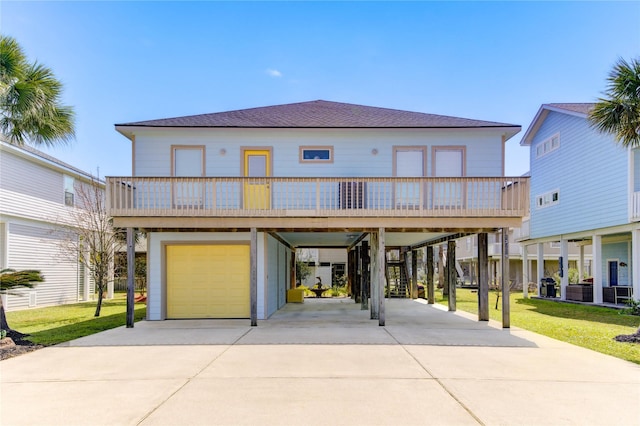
{"x": 37, "y": 195}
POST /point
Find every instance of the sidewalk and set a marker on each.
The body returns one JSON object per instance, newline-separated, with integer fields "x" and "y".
{"x": 320, "y": 363}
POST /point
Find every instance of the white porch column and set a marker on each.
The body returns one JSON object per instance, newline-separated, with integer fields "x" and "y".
{"x": 596, "y": 268}
{"x": 564, "y": 280}
{"x": 635, "y": 262}
{"x": 540, "y": 266}
{"x": 581, "y": 264}
{"x": 525, "y": 272}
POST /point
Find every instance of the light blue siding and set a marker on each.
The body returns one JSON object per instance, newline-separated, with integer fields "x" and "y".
{"x": 589, "y": 170}
{"x": 353, "y": 150}
{"x": 636, "y": 170}
{"x": 619, "y": 252}
{"x": 278, "y": 268}
{"x": 282, "y": 275}
{"x": 272, "y": 275}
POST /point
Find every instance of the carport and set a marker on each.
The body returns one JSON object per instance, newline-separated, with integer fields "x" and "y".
{"x": 367, "y": 262}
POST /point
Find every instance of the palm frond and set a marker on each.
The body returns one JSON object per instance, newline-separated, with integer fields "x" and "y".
{"x": 619, "y": 112}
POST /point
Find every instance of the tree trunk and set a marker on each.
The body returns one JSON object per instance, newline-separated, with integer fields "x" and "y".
{"x": 3, "y": 318}
{"x": 99, "y": 305}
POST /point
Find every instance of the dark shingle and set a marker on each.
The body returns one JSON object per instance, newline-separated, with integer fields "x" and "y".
{"x": 318, "y": 114}
{"x": 583, "y": 108}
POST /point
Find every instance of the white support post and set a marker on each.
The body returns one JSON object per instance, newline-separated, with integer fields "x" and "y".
{"x": 635, "y": 262}
{"x": 525, "y": 272}
{"x": 581, "y": 264}
{"x": 540, "y": 266}
{"x": 596, "y": 268}
{"x": 564, "y": 280}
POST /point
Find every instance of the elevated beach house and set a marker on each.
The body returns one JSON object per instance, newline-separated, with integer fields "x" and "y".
{"x": 585, "y": 188}
{"x": 226, "y": 198}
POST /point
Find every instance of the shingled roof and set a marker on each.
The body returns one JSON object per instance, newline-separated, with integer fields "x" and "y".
{"x": 318, "y": 114}
{"x": 576, "y": 109}
{"x": 583, "y": 108}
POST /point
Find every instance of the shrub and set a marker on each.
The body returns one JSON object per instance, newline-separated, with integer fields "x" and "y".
{"x": 633, "y": 309}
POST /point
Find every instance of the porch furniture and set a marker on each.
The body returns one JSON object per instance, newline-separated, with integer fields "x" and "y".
{"x": 295, "y": 295}
{"x": 580, "y": 292}
{"x": 617, "y": 294}
{"x": 547, "y": 287}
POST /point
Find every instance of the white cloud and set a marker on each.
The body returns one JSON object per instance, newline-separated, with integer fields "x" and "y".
{"x": 273, "y": 73}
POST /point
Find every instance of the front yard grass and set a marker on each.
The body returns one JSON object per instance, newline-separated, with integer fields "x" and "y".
{"x": 591, "y": 327}
{"x": 57, "y": 324}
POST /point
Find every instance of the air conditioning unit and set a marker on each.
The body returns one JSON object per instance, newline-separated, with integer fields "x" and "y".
{"x": 353, "y": 195}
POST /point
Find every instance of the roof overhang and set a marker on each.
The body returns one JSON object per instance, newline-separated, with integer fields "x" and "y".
{"x": 130, "y": 131}
{"x": 541, "y": 115}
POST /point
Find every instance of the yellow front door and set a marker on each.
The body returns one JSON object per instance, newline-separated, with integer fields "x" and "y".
{"x": 207, "y": 281}
{"x": 257, "y": 165}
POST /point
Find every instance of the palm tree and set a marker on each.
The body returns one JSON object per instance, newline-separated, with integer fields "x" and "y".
{"x": 30, "y": 106}
{"x": 619, "y": 112}
{"x": 10, "y": 283}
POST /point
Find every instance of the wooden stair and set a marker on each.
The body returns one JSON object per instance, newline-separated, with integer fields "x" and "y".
{"x": 397, "y": 279}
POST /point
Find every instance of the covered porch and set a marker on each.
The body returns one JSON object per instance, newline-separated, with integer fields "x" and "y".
{"x": 613, "y": 277}
{"x": 361, "y": 215}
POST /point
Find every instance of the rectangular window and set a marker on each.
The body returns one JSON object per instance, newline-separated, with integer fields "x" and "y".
{"x": 448, "y": 162}
{"x": 187, "y": 161}
{"x": 548, "y": 145}
{"x": 409, "y": 162}
{"x": 69, "y": 191}
{"x": 316, "y": 154}
{"x": 548, "y": 199}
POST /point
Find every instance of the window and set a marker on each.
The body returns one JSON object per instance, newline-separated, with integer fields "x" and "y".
{"x": 316, "y": 154}
{"x": 548, "y": 199}
{"x": 69, "y": 191}
{"x": 188, "y": 161}
{"x": 449, "y": 162}
{"x": 548, "y": 145}
{"x": 408, "y": 162}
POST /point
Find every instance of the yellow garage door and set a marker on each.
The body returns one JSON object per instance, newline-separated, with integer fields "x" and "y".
{"x": 208, "y": 281}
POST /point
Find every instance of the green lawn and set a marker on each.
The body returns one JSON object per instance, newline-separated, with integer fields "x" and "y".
{"x": 57, "y": 324}
{"x": 591, "y": 327}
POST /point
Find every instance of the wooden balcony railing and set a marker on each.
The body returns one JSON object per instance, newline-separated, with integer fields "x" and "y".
{"x": 319, "y": 197}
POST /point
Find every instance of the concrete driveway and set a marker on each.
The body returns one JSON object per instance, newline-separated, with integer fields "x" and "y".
{"x": 320, "y": 363}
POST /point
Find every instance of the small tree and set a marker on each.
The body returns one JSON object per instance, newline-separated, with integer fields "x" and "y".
{"x": 303, "y": 271}
{"x": 11, "y": 282}
{"x": 90, "y": 236}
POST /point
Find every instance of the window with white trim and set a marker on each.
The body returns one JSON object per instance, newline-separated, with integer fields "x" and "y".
{"x": 69, "y": 191}
{"x": 548, "y": 199}
{"x": 316, "y": 154}
{"x": 548, "y": 145}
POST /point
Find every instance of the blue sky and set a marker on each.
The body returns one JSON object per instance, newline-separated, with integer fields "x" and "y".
{"x": 497, "y": 61}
